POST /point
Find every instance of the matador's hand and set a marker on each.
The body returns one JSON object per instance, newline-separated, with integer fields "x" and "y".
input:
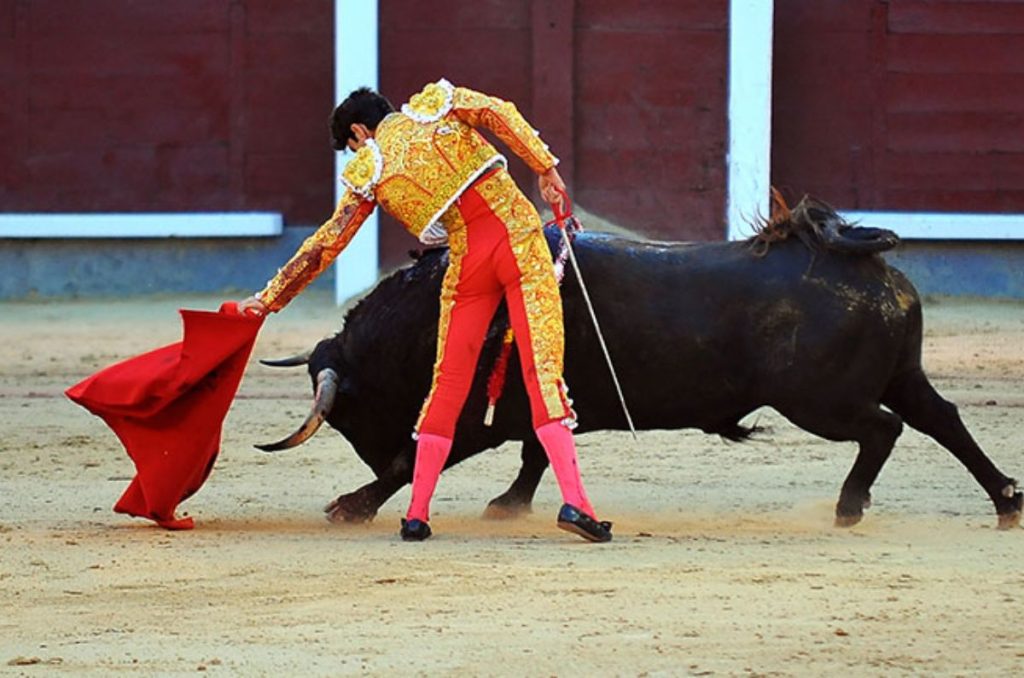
{"x": 252, "y": 306}
{"x": 551, "y": 186}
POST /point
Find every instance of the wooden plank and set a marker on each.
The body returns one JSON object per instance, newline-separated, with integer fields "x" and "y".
{"x": 8, "y": 58}
{"x": 956, "y": 18}
{"x": 801, "y": 21}
{"x": 955, "y": 54}
{"x": 826, "y": 70}
{"x": 652, "y": 15}
{"x": 314, "y": 18}
{"x": 670, "y": 215}
{"x": 236, "y": 105}
{"x": 286, "y": 52}
{"x": 953, "y": 200}
{"x": 837, "y": 192}
{"x": 979, "y": 92}
{"x": 7, "y": 20}
{"x": 965, "y": 170}
{"x": 118, "y": 92}
{"x": 140, "y": 17}
{"x": 89, "y": 180}
{"x": 197, "y": 55}
{"x": 806, "y": 150}
{"x": 122, "y": 179}
{"x": 651, "y": 126}
{"x": 290, "y": 183}
{"x": 623, "y": 128}
{"x": 661, "y": 70}
{"x": 879, "y": 51}
{"x": 671, "y": 169}
{"x": 454, "y": 17}
{"x": 192, "y": 177}
{"x": 286, "y": 112}
{"x": 53, "y": 130}
{"x": 501, "y": 63}
{"x": 552, "y": 102}
{"x": 18, "y": 179}
{"x": 944, "y": 132}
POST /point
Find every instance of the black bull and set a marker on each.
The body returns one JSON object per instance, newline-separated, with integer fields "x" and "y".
{"x": 701, "y": 335}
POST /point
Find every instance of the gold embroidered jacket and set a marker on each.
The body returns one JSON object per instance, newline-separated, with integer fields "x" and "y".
{"x": 417, "y": 164}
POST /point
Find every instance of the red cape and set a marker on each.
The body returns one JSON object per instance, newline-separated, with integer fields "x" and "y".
{"x": 167, "y": 408}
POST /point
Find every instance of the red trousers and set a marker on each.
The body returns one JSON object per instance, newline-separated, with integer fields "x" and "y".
{"x": 498, "y": 251}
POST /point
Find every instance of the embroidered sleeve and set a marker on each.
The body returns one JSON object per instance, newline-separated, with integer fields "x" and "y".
{"x": 507, "y": 123}
{"x": 318, "y": 251}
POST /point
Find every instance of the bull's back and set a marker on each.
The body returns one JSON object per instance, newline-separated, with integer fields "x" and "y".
{"x": 707, "y": 331}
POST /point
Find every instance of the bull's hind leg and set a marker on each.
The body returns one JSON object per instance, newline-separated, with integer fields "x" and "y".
{"x": 518, "y": 498}
{"x": 875, "y": 431}
{"x": 878, "y": 434}
{"x": 914, "y": 398}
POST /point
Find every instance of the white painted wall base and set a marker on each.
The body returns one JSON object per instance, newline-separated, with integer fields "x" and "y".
{"x": 355, "y": 65}
{"x": 749, "y": 156}
{"x": 943, "y": 225}
{"x": 141, "y": 225}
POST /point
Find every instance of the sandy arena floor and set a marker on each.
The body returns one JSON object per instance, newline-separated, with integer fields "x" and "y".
{"x": 725, "y": 560}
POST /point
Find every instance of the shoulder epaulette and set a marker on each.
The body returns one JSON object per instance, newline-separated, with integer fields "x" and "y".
{"x": 363, "y": 172}
{"x": 431, "y": 103}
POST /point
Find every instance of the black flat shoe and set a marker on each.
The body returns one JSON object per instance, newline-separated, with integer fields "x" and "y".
{"x": 571, "y": 519}
{"x": 414, "y": 530}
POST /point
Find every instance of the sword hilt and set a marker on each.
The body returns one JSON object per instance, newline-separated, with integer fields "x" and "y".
{"x": 563, "y": 210}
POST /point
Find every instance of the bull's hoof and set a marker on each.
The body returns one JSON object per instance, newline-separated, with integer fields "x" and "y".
{"x": 847, "y": 520}
{"x": 344, "y": 510}
{"x": 1008, "y": 521}
{"x": 1011, "y": 519}
{"x": 497, "y": 510}
{"x": 849, "y": 512}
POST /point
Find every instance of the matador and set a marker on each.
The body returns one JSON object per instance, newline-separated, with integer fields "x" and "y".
{"x": 428, "y": 166}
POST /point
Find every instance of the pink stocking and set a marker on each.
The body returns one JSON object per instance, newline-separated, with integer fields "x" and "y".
{"x": 431, "y": 453}
{"x": 561, "y": 450}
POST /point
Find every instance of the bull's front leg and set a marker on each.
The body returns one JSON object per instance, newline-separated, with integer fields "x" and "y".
{"x": 363, "y": 504}
{"x": 518, "y": 498}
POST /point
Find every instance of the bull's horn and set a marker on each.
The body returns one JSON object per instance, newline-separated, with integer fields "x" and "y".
{"x": 291, "y": 361}
{"x": 326, "y": 389}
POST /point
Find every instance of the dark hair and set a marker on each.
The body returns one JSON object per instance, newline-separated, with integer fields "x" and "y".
{"x": 363, "y": 107}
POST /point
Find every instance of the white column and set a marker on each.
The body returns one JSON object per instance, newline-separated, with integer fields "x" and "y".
{"x": 355, "y": 65}
{"x": 750, "y": 114}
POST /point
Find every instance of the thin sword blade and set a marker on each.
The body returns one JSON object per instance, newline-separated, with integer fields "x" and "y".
{"x": 597, "y": 328}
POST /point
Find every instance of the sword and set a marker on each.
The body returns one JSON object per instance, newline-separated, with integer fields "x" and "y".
{"x": 560, "y": 217}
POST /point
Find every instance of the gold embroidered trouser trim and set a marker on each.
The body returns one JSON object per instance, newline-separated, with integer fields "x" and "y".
{"x": 497, "y": 251}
